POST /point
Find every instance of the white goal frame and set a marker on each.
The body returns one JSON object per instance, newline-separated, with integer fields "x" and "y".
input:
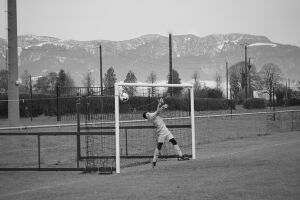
{"x": 117, "y": 117}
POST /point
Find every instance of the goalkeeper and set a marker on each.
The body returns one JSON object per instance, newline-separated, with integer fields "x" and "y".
{"x": 162, "y": 131}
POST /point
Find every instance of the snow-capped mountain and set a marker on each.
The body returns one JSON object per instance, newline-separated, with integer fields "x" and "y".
{"x": 41, "y": 54}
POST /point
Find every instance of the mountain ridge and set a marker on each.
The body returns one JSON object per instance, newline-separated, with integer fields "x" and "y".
{"x": 39, "y": 54}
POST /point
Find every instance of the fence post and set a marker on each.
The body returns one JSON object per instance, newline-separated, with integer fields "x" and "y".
{"x": 78, "y": 129}
{"x": 31, "y": 103}
{"x": 39, "y": 151}
{"x": 126, "y": 144}
{"x": 292, "y": 121}
{"x": 230, "y": 102}
{"x": 57, "y": 103}
{"x": 273, "y": 100}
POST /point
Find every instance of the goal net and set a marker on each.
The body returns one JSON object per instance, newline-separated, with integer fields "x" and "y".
{"x": 135, "y": 137}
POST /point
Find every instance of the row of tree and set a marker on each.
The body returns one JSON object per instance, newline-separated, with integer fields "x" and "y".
{"x": 265, "y": 80}
{"x": 47, "y": 84}
{"x": 268, "y": 80}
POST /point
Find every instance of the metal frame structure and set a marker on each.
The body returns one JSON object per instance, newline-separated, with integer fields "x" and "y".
{"x": 117, "y": 117}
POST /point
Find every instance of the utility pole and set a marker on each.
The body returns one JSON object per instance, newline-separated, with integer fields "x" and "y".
{"x": 31, "y": 103}
{"x": 246, "y": 91}
{"x": 13, "y": 89}
{"x": 101, "y": 82}
{"x": 226, "y": 80}
{"x": 249, "y": 83}
{"x": 170, "y": 64}
{"x": 6, "y": 59}
{"x": 286, "y": 93}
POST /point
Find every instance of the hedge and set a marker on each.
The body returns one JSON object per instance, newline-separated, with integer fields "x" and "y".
{"x": 294, "y": 102}
{"x": 254, "y": 103}
{"x": 43, "y": 104}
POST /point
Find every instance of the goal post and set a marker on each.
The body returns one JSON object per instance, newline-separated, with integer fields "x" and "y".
{"x": 143, "y": 97}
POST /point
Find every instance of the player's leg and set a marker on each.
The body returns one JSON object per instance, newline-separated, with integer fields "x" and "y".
{"x": 156, "y": 153}
{"x": 177, "y": 148}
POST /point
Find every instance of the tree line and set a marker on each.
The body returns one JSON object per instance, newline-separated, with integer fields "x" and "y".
{"x": 265, "y": 80}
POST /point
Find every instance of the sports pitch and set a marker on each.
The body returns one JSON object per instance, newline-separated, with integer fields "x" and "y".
{"x": 261, "y": 167}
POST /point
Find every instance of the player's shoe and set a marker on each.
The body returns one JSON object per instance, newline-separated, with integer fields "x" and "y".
{"x": 153, "y": 164}
{"x": 183, "y": 157}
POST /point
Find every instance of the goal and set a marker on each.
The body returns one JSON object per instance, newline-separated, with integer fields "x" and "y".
{"x": 135, "y": 138}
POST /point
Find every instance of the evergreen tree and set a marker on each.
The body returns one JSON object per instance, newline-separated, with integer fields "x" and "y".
{"x": 61, "y": 80}
{"x": 64, "y": 79}
{"x": 42, "y": 85}
{"x": 175, "y": 80}
{"x": 130, "y": 78}
{"x": 3, "y": 80}
{"x": 109, "y": 81}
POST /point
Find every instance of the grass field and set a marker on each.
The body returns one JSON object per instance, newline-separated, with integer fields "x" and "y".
{"x": 252, "y": 156}
{"x": 262, "y": 167}
{"x": 60, "y": 151}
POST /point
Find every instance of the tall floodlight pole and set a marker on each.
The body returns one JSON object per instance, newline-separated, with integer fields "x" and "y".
{"x": 245, "y": 74}
{"x": 170, "y": 64}
{"x": 6, "y": 59}
{"x": 226, "y": 80}
{"x": 249, "y": 83}
{"x": 13, "y": 89}
{"x": 100, "y": 57}
{"x": 246, "y": 65}
{"x": 227, "y": 74}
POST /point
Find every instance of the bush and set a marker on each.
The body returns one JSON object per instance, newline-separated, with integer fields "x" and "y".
{"x": 254, "y": 103}
{"x": 213, "y": 104}
{"x": 294, "y": 102}
{"x": 214, "y": 93}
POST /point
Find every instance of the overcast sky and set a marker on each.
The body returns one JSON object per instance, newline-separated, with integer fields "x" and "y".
{"x": 126, "y": 19}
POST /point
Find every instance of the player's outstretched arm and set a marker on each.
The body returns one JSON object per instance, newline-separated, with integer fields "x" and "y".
{"x": 160, "y": 107}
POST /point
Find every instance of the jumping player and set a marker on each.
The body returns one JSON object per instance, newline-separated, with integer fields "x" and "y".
{"x": 162, "y": 131}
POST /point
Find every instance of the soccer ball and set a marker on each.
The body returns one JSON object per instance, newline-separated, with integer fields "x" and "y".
{"x": 124, "y": 97}
{"x": 18, "y": 82}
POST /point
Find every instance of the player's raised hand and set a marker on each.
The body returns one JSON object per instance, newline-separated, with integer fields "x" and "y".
{"x": 161, "y": 100}
{"x": 165, "y": 106}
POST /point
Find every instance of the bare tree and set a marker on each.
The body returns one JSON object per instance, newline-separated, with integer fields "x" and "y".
{"x": 25, "y": 86}
{"x": 196, "y": 79}
{"x": 152, "y": 79}
{"x": 270, "y": 77}
{"x": 197, "y": 85}
{"x": 218, "y": 80}
{"x": 3, "y": 80}
{"x": 88, "y": 82}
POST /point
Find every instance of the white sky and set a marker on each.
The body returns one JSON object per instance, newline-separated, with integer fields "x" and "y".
{"x": 126, "y": 19}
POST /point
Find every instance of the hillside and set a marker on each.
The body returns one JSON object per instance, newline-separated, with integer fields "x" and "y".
{"x": 42, "y": 54}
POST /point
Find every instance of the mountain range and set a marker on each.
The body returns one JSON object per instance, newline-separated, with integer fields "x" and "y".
{"x": 207, "y": 55}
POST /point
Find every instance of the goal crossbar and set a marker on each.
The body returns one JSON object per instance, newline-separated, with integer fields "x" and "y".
{"x": 154, "y": 85}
